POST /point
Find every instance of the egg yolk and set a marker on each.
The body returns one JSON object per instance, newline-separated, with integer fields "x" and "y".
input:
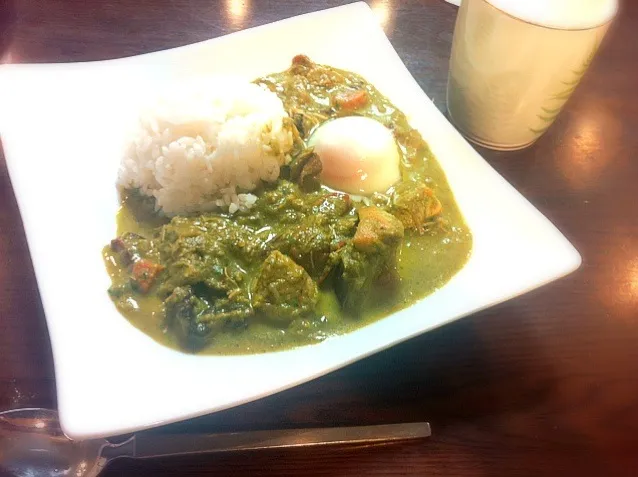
{"x": 358, "y": 155}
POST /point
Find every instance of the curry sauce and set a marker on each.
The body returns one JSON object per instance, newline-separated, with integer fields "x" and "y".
{"x": 305, "y": 263}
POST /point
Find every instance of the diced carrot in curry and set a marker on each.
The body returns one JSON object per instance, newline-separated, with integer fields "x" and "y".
{"x": 143, "y": 273}
{"x": 351, "y": 100}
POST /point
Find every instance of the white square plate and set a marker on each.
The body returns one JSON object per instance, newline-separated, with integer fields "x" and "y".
{"x": 63, "y": 127}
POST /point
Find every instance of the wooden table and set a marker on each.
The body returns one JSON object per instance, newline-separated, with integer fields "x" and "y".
{"x": 546, "y": 384}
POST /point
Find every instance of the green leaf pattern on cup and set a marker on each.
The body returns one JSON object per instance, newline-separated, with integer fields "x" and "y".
{"x": 559, "y": 99}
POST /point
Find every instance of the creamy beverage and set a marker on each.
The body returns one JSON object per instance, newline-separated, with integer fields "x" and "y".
{"x": 515, "y": 63}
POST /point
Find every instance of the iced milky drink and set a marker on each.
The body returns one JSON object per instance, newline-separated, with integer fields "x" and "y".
{"x": 515, "y": 63}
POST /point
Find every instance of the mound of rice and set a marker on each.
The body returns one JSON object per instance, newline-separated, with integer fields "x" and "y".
{"x": 205, "y": 145}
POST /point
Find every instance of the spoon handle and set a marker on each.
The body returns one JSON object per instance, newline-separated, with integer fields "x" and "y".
{"x": 156, "y": 445}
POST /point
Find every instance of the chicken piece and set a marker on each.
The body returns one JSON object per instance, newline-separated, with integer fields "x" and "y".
{"x": 305, "y": 170}
{"x": 371, "y": 254}
{"x": 415, "y": 204}
{"x": 183, "y": 308}
{"x": 195, "y": 319}
{"x": 302, "y": 60}
{"x": 334, "y": 204}
{"x": 377, "y": 231}
{"x": 309, "y": 177}
{"x": 307, "y": 243}
{"x": 311, "y": 240}
{"x": 283, "y": 290}
{"x": 212, "y": 251}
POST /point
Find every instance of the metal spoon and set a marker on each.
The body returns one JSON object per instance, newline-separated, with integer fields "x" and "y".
{"x": 33, "y": 444}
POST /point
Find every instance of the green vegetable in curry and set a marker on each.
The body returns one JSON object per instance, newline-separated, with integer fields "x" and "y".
{"x": 305, "y": 262}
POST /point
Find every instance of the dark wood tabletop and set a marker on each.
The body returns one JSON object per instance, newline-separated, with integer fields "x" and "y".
{"x": 546, "y": 384}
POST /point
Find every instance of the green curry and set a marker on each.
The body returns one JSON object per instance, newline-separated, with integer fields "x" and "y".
{"x": 305, "y": 262}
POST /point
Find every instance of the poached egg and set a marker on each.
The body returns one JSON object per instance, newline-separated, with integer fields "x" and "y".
{"x": 358, "y": 155}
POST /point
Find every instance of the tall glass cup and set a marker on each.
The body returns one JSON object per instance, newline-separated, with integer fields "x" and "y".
{"x": 515, "y": 63}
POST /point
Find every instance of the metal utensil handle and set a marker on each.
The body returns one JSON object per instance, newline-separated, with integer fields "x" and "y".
{"x": 156, "y": 445}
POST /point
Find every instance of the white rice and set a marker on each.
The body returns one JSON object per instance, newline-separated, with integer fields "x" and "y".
{"x": 206, "y": 144}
